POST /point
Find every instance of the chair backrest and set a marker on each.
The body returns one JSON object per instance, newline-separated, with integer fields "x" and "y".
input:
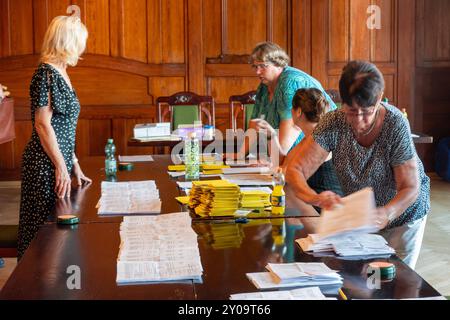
{"x": 185, "y": 108}
{"x": 244, "y": 103}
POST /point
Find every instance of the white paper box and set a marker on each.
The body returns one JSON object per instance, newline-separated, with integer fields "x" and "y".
{"x": 152, "y": 130}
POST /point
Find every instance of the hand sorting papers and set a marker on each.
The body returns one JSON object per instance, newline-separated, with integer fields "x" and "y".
{"x": 346, "y": 229}
{"x": 284, "y": 275}
{"x": 134, "y": 197}
{"x": 158, "y": 248}
{"x": 312, "y": 293}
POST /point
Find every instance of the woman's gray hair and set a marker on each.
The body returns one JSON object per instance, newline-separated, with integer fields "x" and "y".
{"x": 270, "y": 52}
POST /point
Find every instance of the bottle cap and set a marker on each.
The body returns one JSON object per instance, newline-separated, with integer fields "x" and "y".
{"x": 68, "y": 219}
{"x": 110, "y": 140}
{"x": 192, "y": 135}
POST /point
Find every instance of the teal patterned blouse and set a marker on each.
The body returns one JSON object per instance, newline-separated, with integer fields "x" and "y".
{"x": 290, "y": 80}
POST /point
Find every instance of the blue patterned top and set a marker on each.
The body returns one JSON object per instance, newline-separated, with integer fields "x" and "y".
{"x": 290, "y": 80}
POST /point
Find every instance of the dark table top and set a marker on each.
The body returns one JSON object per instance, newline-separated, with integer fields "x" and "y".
{"x": 228, "y": 251}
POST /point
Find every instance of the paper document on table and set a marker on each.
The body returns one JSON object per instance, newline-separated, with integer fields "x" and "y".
{"x": 310, "y": 293}
{"x": 356, "y": 214}
{"x": 139, "y": 158}
{"x": 247, "y": 170}
{"x": 293, "y": 271}
{"x": 134, "y": 197}
{"x": 184, "y": 184}
{"x": 363, "y": 246}
{"x": 249, "y": 179}
{"x": 266, "y": 280}
{"x": 158, "y": 248}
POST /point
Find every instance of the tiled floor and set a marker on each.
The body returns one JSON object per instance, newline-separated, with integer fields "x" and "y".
{"x": 433, "y": 264}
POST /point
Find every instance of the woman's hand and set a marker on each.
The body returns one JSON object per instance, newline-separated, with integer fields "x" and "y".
{"x": 79, "y": 175}
{"x": 260, "y": 124}
{"x": 326, "y": 200}
{"x": 382, "y": 217}
{"x": 62, "y": 182}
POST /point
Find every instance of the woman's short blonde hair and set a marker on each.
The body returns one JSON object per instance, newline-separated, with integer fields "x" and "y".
{"x": 270, "y": 52}
{"x": 64, "y": 41}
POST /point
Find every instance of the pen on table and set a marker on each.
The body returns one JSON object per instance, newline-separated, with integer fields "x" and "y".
{"x": 343, "y": 296}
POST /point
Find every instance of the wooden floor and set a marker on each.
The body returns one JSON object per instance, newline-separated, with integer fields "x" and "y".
{"x": 433, "y": 264}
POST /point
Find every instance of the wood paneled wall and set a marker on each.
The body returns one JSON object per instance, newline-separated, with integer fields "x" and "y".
{"x": 433, "y": 73}
{"x": 140, "y": 49}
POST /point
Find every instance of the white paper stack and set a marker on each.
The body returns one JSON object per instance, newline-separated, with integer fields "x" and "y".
{"x": 133, "y": 197}
{"x": 284, "y": 275}
{"x": 346, "y": 230}
{"x": 249, "y": 179}
{"x": 144, "y": 130}
{"x": 139, "y": 158}
{"x": 247, "y": 170}
{"x": 158, "y": 248}
{"x": 348, "y": 245}
{"x": 310, "y": 293}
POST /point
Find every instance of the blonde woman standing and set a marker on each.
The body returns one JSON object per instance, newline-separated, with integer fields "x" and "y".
{"x": 49, "y": 158}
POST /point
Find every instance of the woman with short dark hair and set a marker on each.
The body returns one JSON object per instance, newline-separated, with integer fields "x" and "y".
{"x": 372, "y": 147}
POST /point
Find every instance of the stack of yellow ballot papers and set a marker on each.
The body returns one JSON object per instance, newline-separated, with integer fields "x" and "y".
{"x": 254, "y": 199}
{"x": 196, "y": 192}
{"x": 205, "y": 168}
{"x": 213, "y": 168}
{"x": 215, "y": 198}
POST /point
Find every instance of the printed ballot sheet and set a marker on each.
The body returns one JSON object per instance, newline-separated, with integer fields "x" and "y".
{"x": 134, "y": 197}
{"x": 356, "y": 214}
{"x": 158, "y": 248}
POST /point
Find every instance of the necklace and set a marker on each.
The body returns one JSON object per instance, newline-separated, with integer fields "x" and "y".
{"x": 372, "y": 126}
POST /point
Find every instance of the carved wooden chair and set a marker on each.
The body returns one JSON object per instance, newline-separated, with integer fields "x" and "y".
{"x": 186, "y": 108}
{"x": 244, "y": 105}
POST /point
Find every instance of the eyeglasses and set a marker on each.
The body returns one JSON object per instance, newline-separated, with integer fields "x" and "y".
{"x": 355, "y": 112}
{"x": 260, "y": 66}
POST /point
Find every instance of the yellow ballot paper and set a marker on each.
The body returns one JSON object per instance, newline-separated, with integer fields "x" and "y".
{"x": 183, "y": 199}
{"x": 176, "y": 167}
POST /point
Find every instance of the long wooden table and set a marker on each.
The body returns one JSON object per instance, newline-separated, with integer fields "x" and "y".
{"x": 228, "y": 251}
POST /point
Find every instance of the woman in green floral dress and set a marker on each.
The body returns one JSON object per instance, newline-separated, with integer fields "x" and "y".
{"x": 49, "y": 157}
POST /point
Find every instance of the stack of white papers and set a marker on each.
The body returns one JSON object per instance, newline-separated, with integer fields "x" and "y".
{"x": 348, "y": 245}
{"x": 346, "y": 230}
{"x": 311, "y": 293}
{"x": 249, "y": 179}
{"x": 134, "y": 197}
{"x": 285, "y": 275}
{"x": 142, "y": 158}
{"x": 158, "y": 248}
{"x": 247, "y": 170}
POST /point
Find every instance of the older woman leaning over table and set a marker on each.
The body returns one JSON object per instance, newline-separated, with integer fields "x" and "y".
{"x": 372, "y": 147}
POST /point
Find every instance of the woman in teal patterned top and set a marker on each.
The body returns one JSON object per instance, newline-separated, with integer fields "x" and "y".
{"x": 273, "y": 105}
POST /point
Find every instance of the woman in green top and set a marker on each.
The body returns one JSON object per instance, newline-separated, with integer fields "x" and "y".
{"x": 273, "y": 105}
